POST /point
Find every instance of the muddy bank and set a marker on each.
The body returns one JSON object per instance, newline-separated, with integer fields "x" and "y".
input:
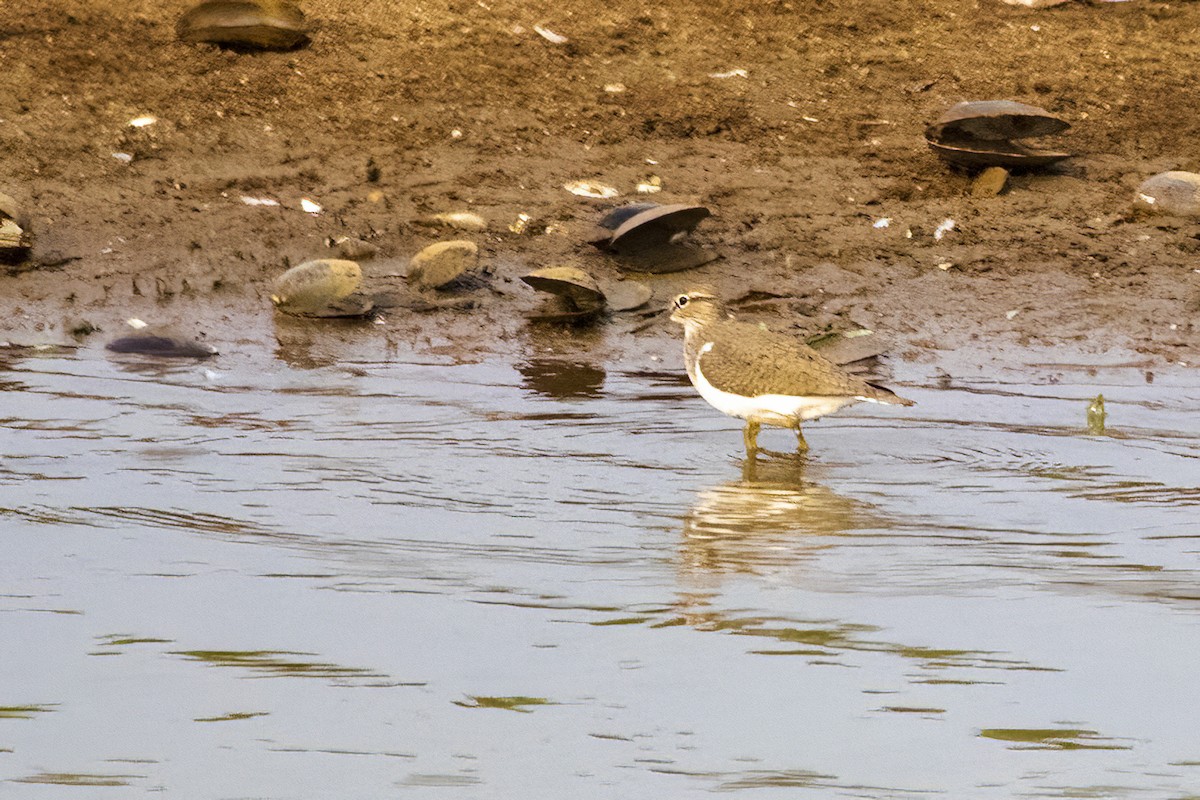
{"x": 390, "y": 116}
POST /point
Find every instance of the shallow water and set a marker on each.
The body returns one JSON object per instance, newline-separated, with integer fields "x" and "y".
{"x": 283, "y": 577}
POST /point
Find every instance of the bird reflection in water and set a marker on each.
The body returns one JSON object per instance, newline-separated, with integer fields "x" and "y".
{"x": 774, "y": 516}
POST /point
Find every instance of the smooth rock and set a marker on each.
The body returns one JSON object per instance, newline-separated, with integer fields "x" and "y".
{"x": 626, "y": 295}
{"x": 1173, "y": 192}
{"x": 990, "y": 182}
{"x": 442, "y": 263}
{"x": 309, "y": 289}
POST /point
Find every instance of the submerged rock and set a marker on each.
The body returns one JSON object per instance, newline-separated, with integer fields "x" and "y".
{"x": 626, "y": 295}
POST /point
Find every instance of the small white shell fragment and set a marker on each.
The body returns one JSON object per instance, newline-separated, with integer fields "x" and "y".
{"x": 945, "y": 266}
{"x": 135, "y": 323}
{"x": 1011, "y": 314}
{"x": 259, "y": 201}
{"x": 521, "y": 223}
{"x": 651, "y": 185}
{"x": 810, "y": 119}
{"x": 882, "y": 223}
{"x": 463, "y": 220}
{"x": 614, "y": 88}
{"x": 124, "y": 158}
{"x": 589, "y": 189}
{"x": 733, "y": 73}
{"x": 944, "y": 227}
{"x": 456, "y": 134}
{"x": 549, "y": 35}
{"x": 141, "y": 122}
{"x": 309, "y": 206}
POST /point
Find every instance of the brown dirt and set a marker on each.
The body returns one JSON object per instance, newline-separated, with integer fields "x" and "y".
{"x": 797, "y": 160}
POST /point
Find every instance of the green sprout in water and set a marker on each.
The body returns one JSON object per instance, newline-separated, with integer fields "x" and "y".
{"x": 22, "y": 712}
{"x": 1096, "y": 416}
{"x": 276, "y": 663}
{"x": 507, "y": 703}
{"x": 1052, "y": 739}
{"x": 233, "y": 716}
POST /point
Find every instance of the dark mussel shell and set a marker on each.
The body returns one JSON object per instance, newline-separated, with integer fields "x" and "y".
{"x": 166, "y": 346}
{"x": 982, "y": 133}
{"x": 621, "y": 214}
{"x": 981, "y": 153}
{"x": 656, "y": 227}
{"x": 997, "y": 119}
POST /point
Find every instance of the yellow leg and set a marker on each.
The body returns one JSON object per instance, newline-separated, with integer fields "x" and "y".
{"x": 801, "y": 444}
{"x": 750, "y": 437}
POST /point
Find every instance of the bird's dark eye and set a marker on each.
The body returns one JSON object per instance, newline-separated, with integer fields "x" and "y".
{"x": 682, "y": 300}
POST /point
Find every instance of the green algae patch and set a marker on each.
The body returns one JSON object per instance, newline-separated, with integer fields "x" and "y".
{"x": 1053, "y": 739}
{"x": 514, "y": 703}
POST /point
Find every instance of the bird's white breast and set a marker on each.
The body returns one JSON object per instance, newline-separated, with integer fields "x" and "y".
{"x": 771, "y": 409}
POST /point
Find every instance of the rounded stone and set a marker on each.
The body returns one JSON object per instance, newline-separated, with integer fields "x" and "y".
{"x": 442, "y": 263}
{"x": 1173, "y": 192}
{"x": 311, "y": 287}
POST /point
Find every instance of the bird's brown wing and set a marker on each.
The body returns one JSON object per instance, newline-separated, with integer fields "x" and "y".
{"x": 748, "y": 360}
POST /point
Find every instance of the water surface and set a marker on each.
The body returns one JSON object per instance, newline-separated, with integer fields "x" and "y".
{"x": 274, "y": 576}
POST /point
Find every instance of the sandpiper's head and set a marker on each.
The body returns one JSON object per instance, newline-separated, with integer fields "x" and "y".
{"x": 696, "y": 306}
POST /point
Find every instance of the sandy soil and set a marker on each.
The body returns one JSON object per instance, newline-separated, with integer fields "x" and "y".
{"x": 821, "y": 137}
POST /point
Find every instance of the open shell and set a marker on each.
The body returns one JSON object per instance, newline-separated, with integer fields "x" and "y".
{"x": 983, "y": 133}
{"x": 622, "y": 214}
{"x": 569, "y": 282}
{"x": 253, "y": 24}
{"x": 578, "y": 298}
{"x": 655, "y": 227}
